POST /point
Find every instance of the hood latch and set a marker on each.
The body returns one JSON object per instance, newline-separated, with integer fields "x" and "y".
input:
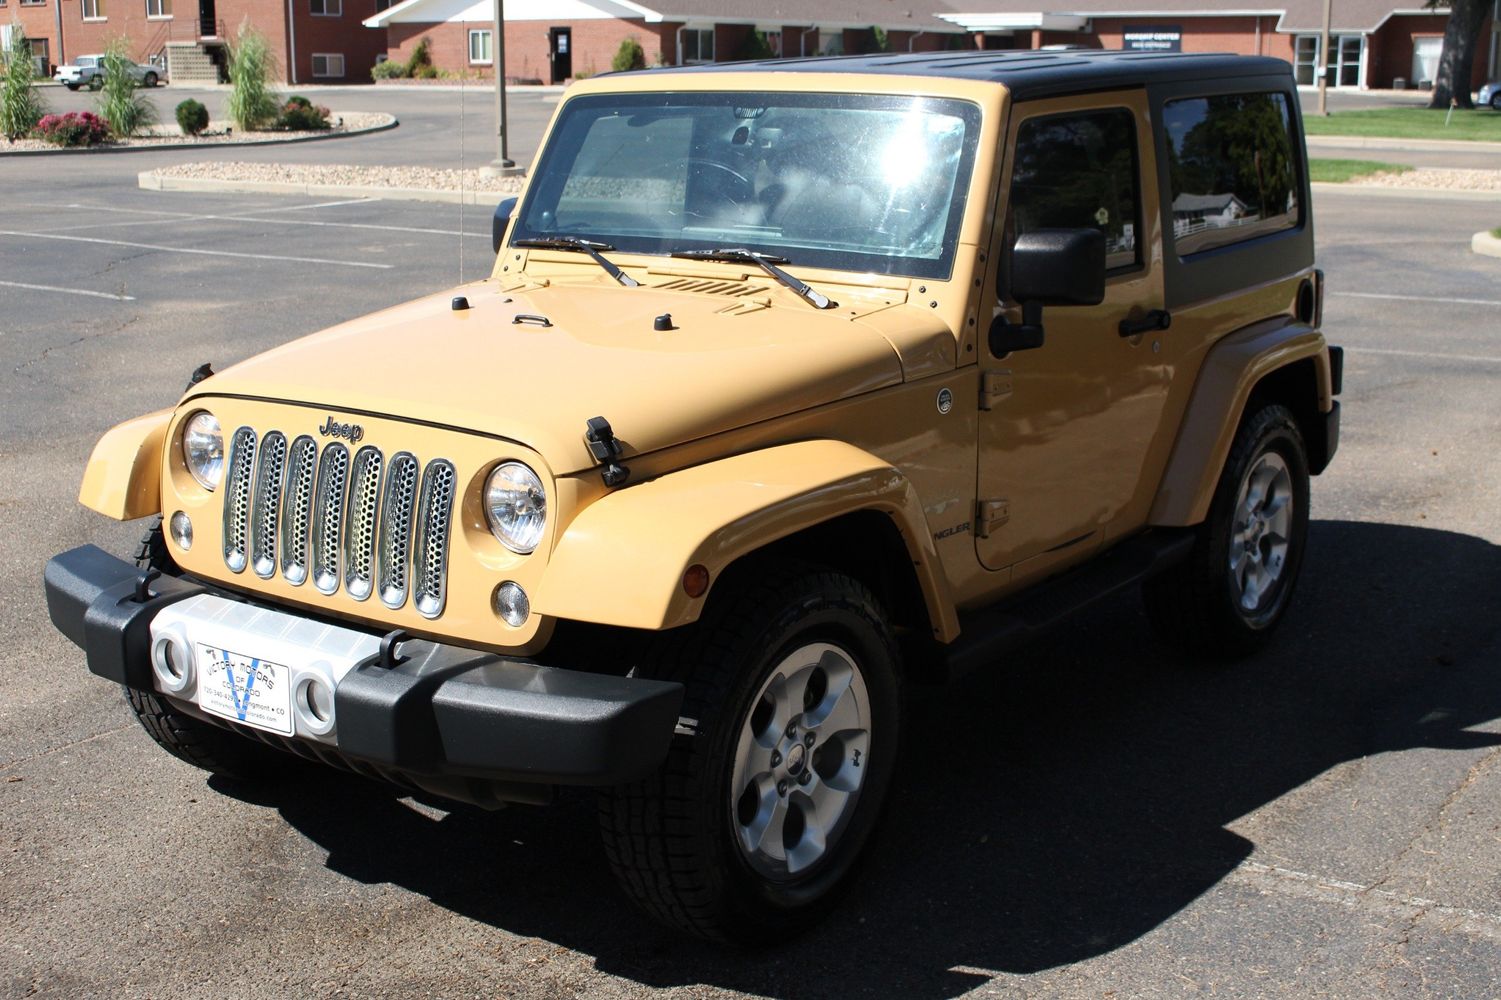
{"x": 606, "y": 449}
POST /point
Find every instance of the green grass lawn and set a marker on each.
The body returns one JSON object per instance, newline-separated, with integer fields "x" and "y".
{"x": 1409, "y": 123}
{"x": 1339, "y": 171}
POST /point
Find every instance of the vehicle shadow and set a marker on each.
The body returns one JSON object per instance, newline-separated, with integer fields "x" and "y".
{"x": 1044, "y": 814}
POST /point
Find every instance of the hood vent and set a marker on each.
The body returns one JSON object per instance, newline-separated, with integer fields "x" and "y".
{"x": 713, "y": 286}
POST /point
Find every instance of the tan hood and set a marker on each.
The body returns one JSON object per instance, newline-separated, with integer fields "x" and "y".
{"x": 724, "y": 365}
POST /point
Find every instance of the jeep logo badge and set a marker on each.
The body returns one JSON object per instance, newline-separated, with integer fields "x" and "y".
{"x": 332, "y": 428}
{"x": 945, "y": 400}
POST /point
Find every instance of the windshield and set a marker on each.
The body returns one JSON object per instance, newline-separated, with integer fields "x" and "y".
{"x": 851, "y": 182}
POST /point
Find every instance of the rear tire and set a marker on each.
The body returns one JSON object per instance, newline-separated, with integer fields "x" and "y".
{"x": 1226, "y": 599}
{"x": 202, "y": 744}
{"x": 150, "y": 80}
{"x": 756, "y": 821}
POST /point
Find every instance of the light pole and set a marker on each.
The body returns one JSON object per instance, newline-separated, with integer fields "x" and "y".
{"x": 1323, "y": 60}
{"x": 502, "y": 165}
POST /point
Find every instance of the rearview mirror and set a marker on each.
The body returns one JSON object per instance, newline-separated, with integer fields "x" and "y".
{"x": 498, "y": 224}
{"x": 1048, "y": 267}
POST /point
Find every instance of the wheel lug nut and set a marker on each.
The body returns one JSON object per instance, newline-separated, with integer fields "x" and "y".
{"x": 809, "y": 737}
{"x": 792, "y": 731}
{"x": 805, "y": 777}
{"x": 782, "y": 787}
{"x": 776, "y": 759}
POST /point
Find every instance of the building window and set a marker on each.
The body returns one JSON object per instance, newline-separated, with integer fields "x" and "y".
{"x": 479, "y": 47}
{"x": 328, "y": 64}
{"x": 381, "y": 5}
{"x": 327, "y": 8}
{"x": 1345, "y": 58}
{"x": 1306, "y": 59}
{"x": 32, "y": 3}
{"x": 831, "y": 42}
{"x": 93, "y": 10}
{"x": 696, "y": 46}
{"x": 774, "y": 42}
{"x": 1079, "y": 171}
{"x": 159, "y": 8}
{"x": 1232, "y": 168}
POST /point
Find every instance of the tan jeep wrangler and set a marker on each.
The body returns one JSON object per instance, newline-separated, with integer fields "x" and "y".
{"x": 793, "y": 383}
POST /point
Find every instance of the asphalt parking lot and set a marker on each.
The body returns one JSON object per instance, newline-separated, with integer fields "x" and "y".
{"x": 1097, "y": 819}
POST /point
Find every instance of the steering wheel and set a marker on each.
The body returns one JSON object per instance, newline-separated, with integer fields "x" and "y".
{"x": 736, "y": 187}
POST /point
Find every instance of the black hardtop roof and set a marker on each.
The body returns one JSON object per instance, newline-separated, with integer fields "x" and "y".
{"x": 1025, "y": 72}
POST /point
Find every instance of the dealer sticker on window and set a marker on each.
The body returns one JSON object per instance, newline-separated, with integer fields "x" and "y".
{"x": 254, "y": 692}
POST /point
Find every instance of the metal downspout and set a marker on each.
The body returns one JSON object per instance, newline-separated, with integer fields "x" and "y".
{"x": 292, "y": 44}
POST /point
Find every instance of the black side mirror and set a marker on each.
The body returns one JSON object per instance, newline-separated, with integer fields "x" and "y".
{"x": 498, "y": 224}
{"x": 1048, "y": 267}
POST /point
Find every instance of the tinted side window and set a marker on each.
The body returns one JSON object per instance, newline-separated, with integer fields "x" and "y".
{"x": 1231, "y": 164}
{"x": 1078, "y": 171}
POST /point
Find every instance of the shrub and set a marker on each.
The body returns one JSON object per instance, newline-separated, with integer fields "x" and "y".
{"x": 300, "y": 115}
{"x": 421, "y": 59}
{"x": 252, "y": 103}
{"x": 118, "y": 102}
{"x": 388, "y": 70}
{"x": 427, "y": 72}
{"x": 192, "y": 117}
{"x": 21, "y": 107}
{"x": 629, "y": 56}
{"x": 76, "y": 128}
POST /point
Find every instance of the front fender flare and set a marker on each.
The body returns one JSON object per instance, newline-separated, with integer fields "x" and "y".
{"x": 123, "y": 479}
{"x": 622, "y": 559}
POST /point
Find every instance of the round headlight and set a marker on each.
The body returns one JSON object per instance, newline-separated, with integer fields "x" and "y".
{"x": 516, "y": 506}
{"x": 203, "y": 449}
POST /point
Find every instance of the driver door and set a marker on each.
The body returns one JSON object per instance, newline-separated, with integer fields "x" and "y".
{"x": 1067, "y": 428}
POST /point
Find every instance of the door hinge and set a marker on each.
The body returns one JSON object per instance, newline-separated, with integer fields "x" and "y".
{"x": 994, "y": 387}
{"x": 990, "y": 515}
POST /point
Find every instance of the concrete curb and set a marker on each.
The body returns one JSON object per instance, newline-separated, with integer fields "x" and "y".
{"x": 231, "y": 144}
{"x": 1378, "y": 191}
{"x": 1486, "y": 244}
{"x": 150, "y": 180}
{"x": 1401, "y": 145}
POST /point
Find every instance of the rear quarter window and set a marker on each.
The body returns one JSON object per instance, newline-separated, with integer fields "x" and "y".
{"x": 1231, "y": 168}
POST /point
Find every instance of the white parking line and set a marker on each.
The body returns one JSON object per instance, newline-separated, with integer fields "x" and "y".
{"x": 253, "y": 217}
{"x": 69, "y": 291}
{"x": 1418, "y": 298}
{"x": 189, "y": 250}
{"x": 1432, "y": 355}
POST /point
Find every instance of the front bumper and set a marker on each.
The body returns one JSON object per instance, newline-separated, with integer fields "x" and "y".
{"x": 437, "y": 715}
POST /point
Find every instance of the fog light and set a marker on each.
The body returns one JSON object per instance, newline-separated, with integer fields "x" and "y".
{"x": 512, "y": 604}
{"x": 313, "y": 701}
{"x": 181, "y": 527}
{"x": 172, "y": 663}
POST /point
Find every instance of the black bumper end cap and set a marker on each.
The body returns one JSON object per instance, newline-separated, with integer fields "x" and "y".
{"x": 444, "y": 709}
{"x": 92, "y": 599}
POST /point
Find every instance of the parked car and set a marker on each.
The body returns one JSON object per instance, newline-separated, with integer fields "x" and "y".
{"x": 88, "y": 71}
{"x": 793, "y": 383}
{"x": 1490, "y": 94}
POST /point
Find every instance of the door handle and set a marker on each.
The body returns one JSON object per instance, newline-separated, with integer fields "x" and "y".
{"x": 1157, "y": 319}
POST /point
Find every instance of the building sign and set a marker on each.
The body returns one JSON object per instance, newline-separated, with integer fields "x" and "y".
{"x": 1162, "y": 38}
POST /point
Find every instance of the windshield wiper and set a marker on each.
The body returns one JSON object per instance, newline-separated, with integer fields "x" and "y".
{"x": 581, "y": 246}
{"x": 767, "y": 263}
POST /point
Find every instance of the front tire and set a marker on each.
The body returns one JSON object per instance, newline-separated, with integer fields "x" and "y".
{"x": 756, "y": 820}
{"x": 200, "y": 743}
{"x": 1227, "y": 598}
{"x": 150, "y": 80}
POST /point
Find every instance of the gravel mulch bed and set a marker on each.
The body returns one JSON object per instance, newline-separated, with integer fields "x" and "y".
{"x": 221, "y": 133}
{"x": 350, "y": 176}
{"x": 1435, "y": 177}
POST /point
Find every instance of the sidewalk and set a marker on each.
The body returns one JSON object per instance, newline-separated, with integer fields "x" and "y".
{"x": 1402, "y": 145}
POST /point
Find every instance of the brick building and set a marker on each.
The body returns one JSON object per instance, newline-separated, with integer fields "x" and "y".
{"x": 1373, "y": 44}
{"x": 313, "y": 41}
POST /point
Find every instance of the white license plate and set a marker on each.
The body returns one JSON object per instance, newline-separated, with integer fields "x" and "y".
{"x": 248, "y": 690}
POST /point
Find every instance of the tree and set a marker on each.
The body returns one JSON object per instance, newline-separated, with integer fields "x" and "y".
{"x": 1457, "y": 59}
{"x": 629, "y": 56}
{"x": 20, "y": 105}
